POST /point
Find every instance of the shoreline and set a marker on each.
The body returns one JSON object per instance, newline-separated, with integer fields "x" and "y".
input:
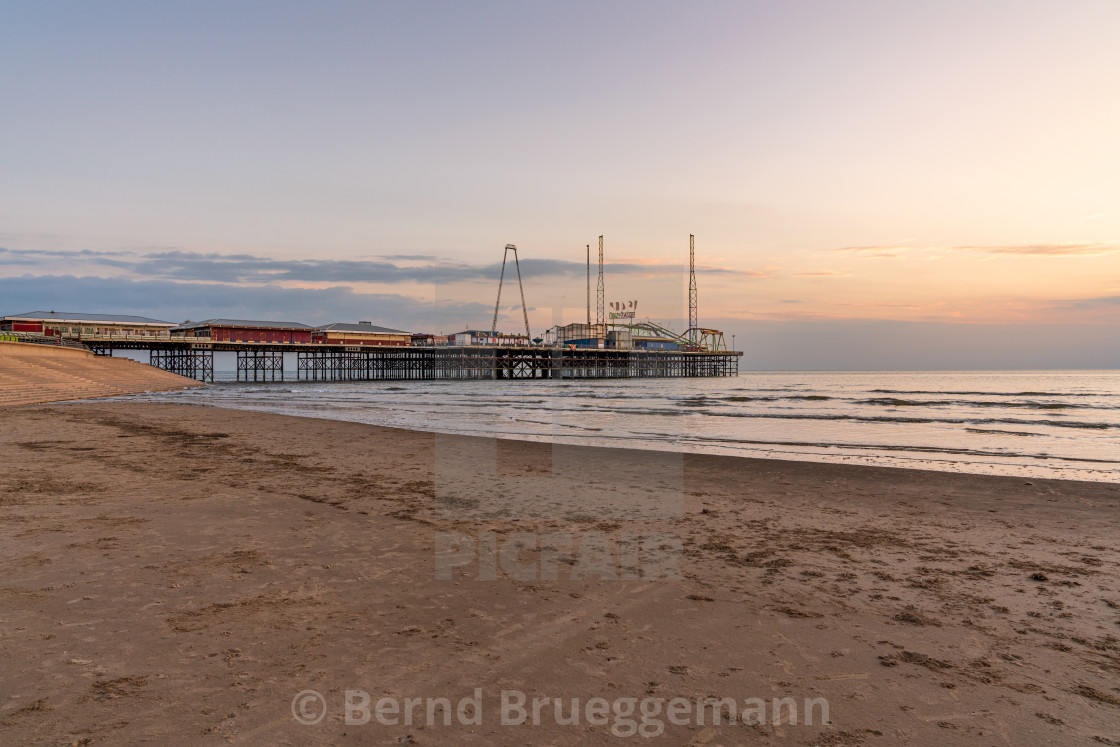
{"x": 174, "y": 569}
{"x": 1011, "y": 471}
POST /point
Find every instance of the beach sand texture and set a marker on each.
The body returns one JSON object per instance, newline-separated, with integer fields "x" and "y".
{"x": 180, "y": 573}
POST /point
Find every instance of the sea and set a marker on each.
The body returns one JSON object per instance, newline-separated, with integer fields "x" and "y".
{"x": 1057, "y": 424}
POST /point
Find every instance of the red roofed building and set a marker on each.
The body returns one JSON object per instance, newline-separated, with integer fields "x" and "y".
{"x": 240, "y": 330}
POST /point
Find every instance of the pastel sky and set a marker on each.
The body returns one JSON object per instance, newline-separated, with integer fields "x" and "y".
{"x": 951, "y": 166}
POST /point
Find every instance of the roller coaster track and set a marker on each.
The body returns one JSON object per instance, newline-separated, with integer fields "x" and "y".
{"x": 705, "y": 339}
{"x": 657, "y": 329}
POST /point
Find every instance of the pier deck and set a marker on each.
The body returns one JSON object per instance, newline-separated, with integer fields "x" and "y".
{"x": 264, "y": 362}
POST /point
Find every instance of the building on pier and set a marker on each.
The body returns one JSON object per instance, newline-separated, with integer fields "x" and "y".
{"x": 362, "y": 333}
{"x": 577, "y": 336}
{"x": 656, "y": 342}
{"x": 77, "y": 326}
{"x": 487, "y": 337}
{"x": 241, "y": 330}
{"x": 429, "y": 340}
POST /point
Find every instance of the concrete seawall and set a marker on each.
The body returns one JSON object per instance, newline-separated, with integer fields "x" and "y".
{"x": 33, "y": 374}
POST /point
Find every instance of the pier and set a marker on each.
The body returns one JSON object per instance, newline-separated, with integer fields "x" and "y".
{"x": 621, "y": 347}
{"x": 265, "y": 362}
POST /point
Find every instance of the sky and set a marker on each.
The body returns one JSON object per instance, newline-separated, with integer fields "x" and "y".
{"x": 870, "y": 184}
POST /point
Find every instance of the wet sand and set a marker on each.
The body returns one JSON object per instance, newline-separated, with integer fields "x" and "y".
{"x": 181, "y": 573}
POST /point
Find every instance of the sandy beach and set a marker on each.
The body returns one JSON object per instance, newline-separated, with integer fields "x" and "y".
{"x": 181, "y": 573}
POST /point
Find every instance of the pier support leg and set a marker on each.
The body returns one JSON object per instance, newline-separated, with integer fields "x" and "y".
{"x": 260, "y": 365}
{"x": 194, "y": 364}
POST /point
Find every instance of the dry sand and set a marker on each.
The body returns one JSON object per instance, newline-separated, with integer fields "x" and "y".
{"x": 31, "y": 373}
{"x": 179, "y": 573}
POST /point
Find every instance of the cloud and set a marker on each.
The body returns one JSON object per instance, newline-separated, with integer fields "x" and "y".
{"x": 176, "y": 302}
{"x": 1099, "y": 302}
{"x": 1079, "y": 249}
{"x": 34, "y": 254}
{"x": 882, "y": 251}
{"x": 409, "y": 257}
{"x": 186, "y": 266}
{"x": 1068, "y": 249}
{"x": 822, "y": 274}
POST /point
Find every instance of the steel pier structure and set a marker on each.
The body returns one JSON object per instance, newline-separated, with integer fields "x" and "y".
{"x": 485, "y": 362}
{"x": 264, "y": 362}
{"x": 189, "y": 362}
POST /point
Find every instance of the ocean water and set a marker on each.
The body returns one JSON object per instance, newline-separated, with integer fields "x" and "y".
{"x": 1062, "y": 424}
